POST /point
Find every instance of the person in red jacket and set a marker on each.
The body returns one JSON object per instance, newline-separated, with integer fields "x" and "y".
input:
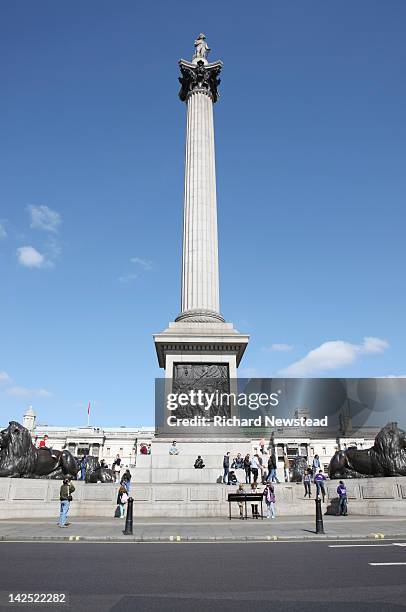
{"x": 43, "y": 444}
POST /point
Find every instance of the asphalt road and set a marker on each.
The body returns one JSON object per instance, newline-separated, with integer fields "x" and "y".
{"x": 282, "y": 576}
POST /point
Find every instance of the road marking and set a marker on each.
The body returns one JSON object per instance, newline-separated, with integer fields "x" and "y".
{"x": 399, "y": 544}
{"x": 393, "y": 563}
{"x": 359, "y": 545}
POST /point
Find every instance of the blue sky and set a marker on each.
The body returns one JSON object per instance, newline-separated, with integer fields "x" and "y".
{"x": 310, "y": 145}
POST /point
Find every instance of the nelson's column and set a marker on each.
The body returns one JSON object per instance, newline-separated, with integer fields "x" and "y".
{"x": 199, "y": 345}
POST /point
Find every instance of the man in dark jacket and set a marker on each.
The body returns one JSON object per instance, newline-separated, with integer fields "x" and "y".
{"x": 247, "y": 468}
{"x": 226, "y": 468}
{"x": 272, "y": 477}
{"x": 199, "y": 463}
{"x": 65, "y": 496}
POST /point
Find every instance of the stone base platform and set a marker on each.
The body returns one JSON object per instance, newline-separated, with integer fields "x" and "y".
{"x": 25, "y": 498}
{"x": 162, "y": 468}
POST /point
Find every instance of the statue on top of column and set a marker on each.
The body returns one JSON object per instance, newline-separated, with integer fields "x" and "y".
{"x": 201, "y": 47}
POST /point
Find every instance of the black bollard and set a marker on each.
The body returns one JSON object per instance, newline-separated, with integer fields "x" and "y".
{"x": 319, "y": 516}
{"x": 129, "y": 518}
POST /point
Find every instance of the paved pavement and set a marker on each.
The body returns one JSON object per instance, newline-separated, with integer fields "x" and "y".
{"x": 204, "y": 529}
{"x": 360, "y": 576}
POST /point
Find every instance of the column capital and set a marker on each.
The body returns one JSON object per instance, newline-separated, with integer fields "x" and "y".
{"x": 199, "y": 76}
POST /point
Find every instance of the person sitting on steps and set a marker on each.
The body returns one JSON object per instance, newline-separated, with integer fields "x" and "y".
{"x": 232, "y": 478}
{"x": 199, "y": 464}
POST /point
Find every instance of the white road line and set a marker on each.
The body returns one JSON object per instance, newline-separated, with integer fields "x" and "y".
{"x": 399, "y": 544}
{"x": 356, "y": 545}
{"x": 394, "y": 563}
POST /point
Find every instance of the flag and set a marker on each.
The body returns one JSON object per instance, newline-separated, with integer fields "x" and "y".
{"x": 88, "y": 409}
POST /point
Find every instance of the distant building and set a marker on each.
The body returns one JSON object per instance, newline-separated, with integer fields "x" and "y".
{"x": 106, "y": 442}
{"x": 102, "y": 442}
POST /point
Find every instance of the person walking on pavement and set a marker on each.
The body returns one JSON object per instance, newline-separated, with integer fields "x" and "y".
{"x": 226, "y": 468}
{"x": 122, "y": 498}
{"x": 269, "y": 494}
{"x": 342, "y": 494}
{"x": 65, "y": 496}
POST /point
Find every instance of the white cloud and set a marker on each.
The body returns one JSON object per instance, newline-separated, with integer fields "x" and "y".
{"x": 279, "y": 348}
{"x": 127, "y": 278}
{"x": 3, "y": 233}
{"x": 30, "y": 257}
{"x": 24, "y": 392}
{"x": 5, "y": 378}
{"x": 373, "y": 345}
{"x": 144, "y": 263}
{"x": 333, "y": 355}
{"x": 44, "y": 218}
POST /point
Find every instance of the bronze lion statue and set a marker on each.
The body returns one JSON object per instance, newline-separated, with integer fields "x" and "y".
{"x": 387, "y": 457}
{"x": 96, "y": 473}
{"x": 20, "y": 459}
{"x": 299, "y": 467}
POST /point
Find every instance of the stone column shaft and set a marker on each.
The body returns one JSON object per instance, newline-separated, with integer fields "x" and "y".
{"x": 200, "y": 276}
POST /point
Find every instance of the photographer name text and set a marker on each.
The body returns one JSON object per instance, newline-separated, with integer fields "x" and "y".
{"x": 259, "y": 421}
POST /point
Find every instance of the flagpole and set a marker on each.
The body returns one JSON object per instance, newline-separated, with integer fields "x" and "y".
{"x": 88, "y": 414}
